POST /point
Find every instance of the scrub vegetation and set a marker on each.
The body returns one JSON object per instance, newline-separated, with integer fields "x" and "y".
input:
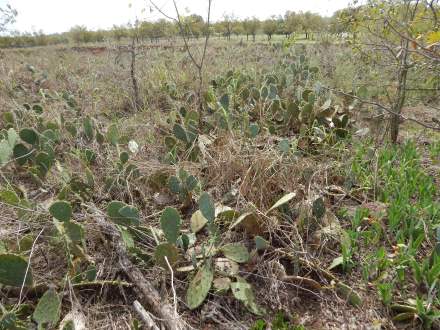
{"x": 241, "y": 174}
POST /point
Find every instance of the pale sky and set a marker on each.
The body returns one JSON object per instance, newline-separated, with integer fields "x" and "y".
{"x": 60, "y": 15}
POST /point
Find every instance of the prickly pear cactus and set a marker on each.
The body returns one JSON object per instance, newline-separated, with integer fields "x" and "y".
{"x": 170, "y": 223}
{"x": 61, "y": 210}
{"x": 199, "y": 286}
{"x": 318, "y": 208}
{"x": 123, "y": 214}
{"x": 236, "y": 252}
{"x": 29, "y": 135}
{"x": 243, "y": 292}
{"x": 48, "y": 309}
{"x": 13, "y": 270}
{"x": 207, "y": 207}
{"x": 169, "y": 251}
{"x": 198, "y": 222}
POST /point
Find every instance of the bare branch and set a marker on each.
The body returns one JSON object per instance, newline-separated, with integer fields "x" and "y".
{"x": 208, "y": 33}
{"x": 381, "y": 106}
{"x": 198, "y": 64}
{"x": 181, "y": 29}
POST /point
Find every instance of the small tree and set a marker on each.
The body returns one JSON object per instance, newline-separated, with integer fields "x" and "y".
{"x": 192, "y": 26}
{"x": 270, "y": 27}
{"x": 227, "y": 25}
{"x": 237, "y": 27}
{"x": 185, "y": 31}
{"x": 40, "y": 38}
{"x": 250, "y": 27}
{"x": 118, "y": 32}
{"x": 292, "y": 22}
{"x": 310, "y": 22}
{"x": 80, "y": 34}
{"x": 399, "y": 36}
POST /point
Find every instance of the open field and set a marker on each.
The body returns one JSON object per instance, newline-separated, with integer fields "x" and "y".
{"x": 271, "y": 202}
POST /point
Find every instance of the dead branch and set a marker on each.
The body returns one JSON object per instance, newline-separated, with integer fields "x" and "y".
{"x": 152, "y": 298}
{"x": 145, "y": 316}
{"x": 137, "y": 102}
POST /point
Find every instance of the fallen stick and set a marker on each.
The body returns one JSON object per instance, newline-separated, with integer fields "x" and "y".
{"x": 149, "y": 323}
{"x": 163, "y": 310}
{"x": 299, "y": 280}
{"x": 39, "y": 289}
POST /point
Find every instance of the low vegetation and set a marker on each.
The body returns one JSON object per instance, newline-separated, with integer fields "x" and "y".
{"x": 275, "y": 187}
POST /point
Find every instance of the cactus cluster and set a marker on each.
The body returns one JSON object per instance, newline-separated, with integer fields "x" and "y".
{"x": 185, "y": 133}
{"x": 220, "y": 273}
{"x": 123, "y": 214}
{"x": 184, "y": 186}
{"x": 35, "y": 150}
{"x": 32, "y": 147}
{"x": 71, "y": 233}
{"x": 290, "y": 100}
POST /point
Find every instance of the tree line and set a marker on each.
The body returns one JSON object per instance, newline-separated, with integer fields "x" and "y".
{"x": 307, "y": 24}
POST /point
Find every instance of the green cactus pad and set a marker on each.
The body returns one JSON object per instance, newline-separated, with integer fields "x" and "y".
{"x": 199, "y": 286}
{"x": 21, "y": 154}
{"x": 207, "y": 207}
{"x": 198, "y": 222}
{"x": 236, "y": 252}
{"x": 13, "y": 270}
{"x": 61, "y": 210}
{"x": 123, "y": 214}
{"x": 170, "y": 223}
{"x": 48, "y": 309}
{"x": 29, "y": 135}
{"x": 166, "y": 250}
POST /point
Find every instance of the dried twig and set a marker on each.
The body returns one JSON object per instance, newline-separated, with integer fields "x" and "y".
{"x": 29, "y": 265}
{"x": 137, "y": 101}
{"x": 172, "y": 286}
{"x": 145, "y": 316}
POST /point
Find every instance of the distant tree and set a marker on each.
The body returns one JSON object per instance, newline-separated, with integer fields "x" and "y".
{"x": 250, "y": 27}
{"x": 146, "y": 30}
{"x": 118, "y": 32}
{"x": 40, "y": 38}
{"x": 281, "y": 26}
{"x": 98, "y": 36}
{"x": 193, "y": 25}
{"x": 270, "y": 27}
{"x": 306, "y": 23}
{"x": 237, "y": 28}
{"x": 227, "y": 25}
{"x": 166, "y": 29}
{"x": 319, "y": 23}
{"x": 80, "y": 34}
{"x": 292, "y": 22}
{"x": 338, "y": 26}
